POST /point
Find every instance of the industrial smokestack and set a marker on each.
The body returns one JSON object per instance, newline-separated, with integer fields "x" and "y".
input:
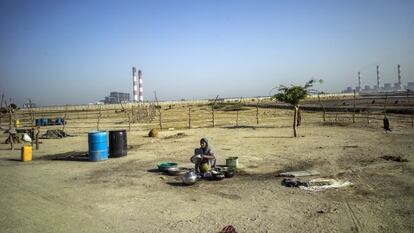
{"x": 359, "y": 80}
{"x": 141, "y": 87}
{"x": 134, "y": 83}
{"x": 399, "y": 75}
{"x": 378, "y": 78}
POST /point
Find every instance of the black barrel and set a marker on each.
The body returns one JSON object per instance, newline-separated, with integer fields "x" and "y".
{"x": 118, "y": 145}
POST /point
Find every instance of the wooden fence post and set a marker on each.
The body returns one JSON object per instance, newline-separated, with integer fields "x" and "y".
{"x": 257, "y": 111}
{"x": 237, "y": 118}
{"x": 37, "y": 138}
{"x": 353, "y": 113}
{"x": 411, "y": 109}
{"x": 323, "y": 108}
{"x": 160, "y": 117}
{"x": 189, "y": 117}
{"x": 64, "y": 118}
{"x": 385, "y": 106}
{"x": 1, "y": 105}
{"x": 159, "y": 109}
{"x": 212, "y": 115}
{"x": 99, "y": 117}
{"x": 212, "y": 111}
{"x": 127, "y": 114}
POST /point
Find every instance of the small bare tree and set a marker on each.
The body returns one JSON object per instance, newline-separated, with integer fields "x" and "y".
{"x": 293, "y": 95}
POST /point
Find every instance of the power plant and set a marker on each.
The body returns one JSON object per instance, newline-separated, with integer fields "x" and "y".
{"x": 387, "y": 87}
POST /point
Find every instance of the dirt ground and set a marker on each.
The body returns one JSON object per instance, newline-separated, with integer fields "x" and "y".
{"x": 127, "y": 195}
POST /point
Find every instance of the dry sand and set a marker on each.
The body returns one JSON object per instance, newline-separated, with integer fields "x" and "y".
{"x": 126, "y": 195}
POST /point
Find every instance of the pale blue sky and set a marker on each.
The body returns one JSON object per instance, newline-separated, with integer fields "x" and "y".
{"x": 72, "y": 52}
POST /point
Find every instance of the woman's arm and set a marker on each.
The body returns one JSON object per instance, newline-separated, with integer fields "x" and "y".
{"x": 209, "y": 156}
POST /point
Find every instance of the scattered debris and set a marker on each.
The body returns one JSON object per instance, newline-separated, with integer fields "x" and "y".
{"x": 177, "y": 135}
{"x": 54, "y": 134}
{"x": 394, "y": 158}
{"x": 153, "y": 133}
{"x": 350, "y": 147}
{"x": 320, "y": 184}
{"x": 26, "y": 138}
{"x": 228, "y": 229}
{"x": 324, "y": 211}
{"x": 300, "y": 173}
{"x": 293, "y": 182}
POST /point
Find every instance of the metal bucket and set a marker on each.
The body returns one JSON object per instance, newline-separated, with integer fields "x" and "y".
{"x": 232, "y": 162}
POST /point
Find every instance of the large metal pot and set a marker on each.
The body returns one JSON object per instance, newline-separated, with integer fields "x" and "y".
{"x": 189, "y": 178}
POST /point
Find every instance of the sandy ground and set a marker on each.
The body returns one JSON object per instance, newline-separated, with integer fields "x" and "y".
{"x": 126, "y": 195}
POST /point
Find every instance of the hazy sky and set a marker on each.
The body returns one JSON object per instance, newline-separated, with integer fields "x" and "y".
{"x": 77, "y": 51}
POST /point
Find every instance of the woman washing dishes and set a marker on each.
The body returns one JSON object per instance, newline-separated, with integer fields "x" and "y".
{"x": 203, "y": 158}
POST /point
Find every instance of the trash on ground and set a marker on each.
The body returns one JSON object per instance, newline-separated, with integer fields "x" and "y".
{"x": 176, "y": 136}
{"x": 54, "y": 134}
{"x": 26, "y": 138}
{"x": 320, "y": 184}
{"x": 324, "y": 211}
{"x": 300, "y": 173}
{"x": 394, "y": 158}
{"x": 228, "y": 229}
{"x": 293, "y": 182}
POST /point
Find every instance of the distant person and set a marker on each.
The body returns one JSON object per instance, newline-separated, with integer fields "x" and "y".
{"x": 203, "y": 155}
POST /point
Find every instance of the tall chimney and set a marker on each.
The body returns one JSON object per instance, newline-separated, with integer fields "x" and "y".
{"x": 359, "y": 80}
{"x": 399, "y": 75}
{"x": 134, "y": 83}
{"x": 141, "y": 88}
{"x": 378, "y": 78}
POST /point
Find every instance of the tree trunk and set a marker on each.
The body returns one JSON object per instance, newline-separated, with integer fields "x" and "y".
{"x": 298, "y": 118}
{"x": 295, "y": 116}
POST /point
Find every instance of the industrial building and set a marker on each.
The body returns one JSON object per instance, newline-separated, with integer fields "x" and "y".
{"x": 117, "y": 97}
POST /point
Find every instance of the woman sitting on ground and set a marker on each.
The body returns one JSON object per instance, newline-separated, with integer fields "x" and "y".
{"x": 202, "y": 155}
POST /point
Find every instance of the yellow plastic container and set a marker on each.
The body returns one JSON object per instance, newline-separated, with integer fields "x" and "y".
{"x": 26, "y": 153}
{"x": 17, "y": 123}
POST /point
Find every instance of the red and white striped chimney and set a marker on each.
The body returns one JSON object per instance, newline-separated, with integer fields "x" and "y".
{"x": 134, "y": 83}
{"x": 141, "y": 87}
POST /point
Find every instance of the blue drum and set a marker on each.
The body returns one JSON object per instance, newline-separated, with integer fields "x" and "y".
{"x": 98, "y": 145}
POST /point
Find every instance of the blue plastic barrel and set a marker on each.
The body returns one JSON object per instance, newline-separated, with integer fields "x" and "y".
{"x": 98, "y": 145}
{"x": 38, "y": 122}
{"x": 59, "y": 121}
